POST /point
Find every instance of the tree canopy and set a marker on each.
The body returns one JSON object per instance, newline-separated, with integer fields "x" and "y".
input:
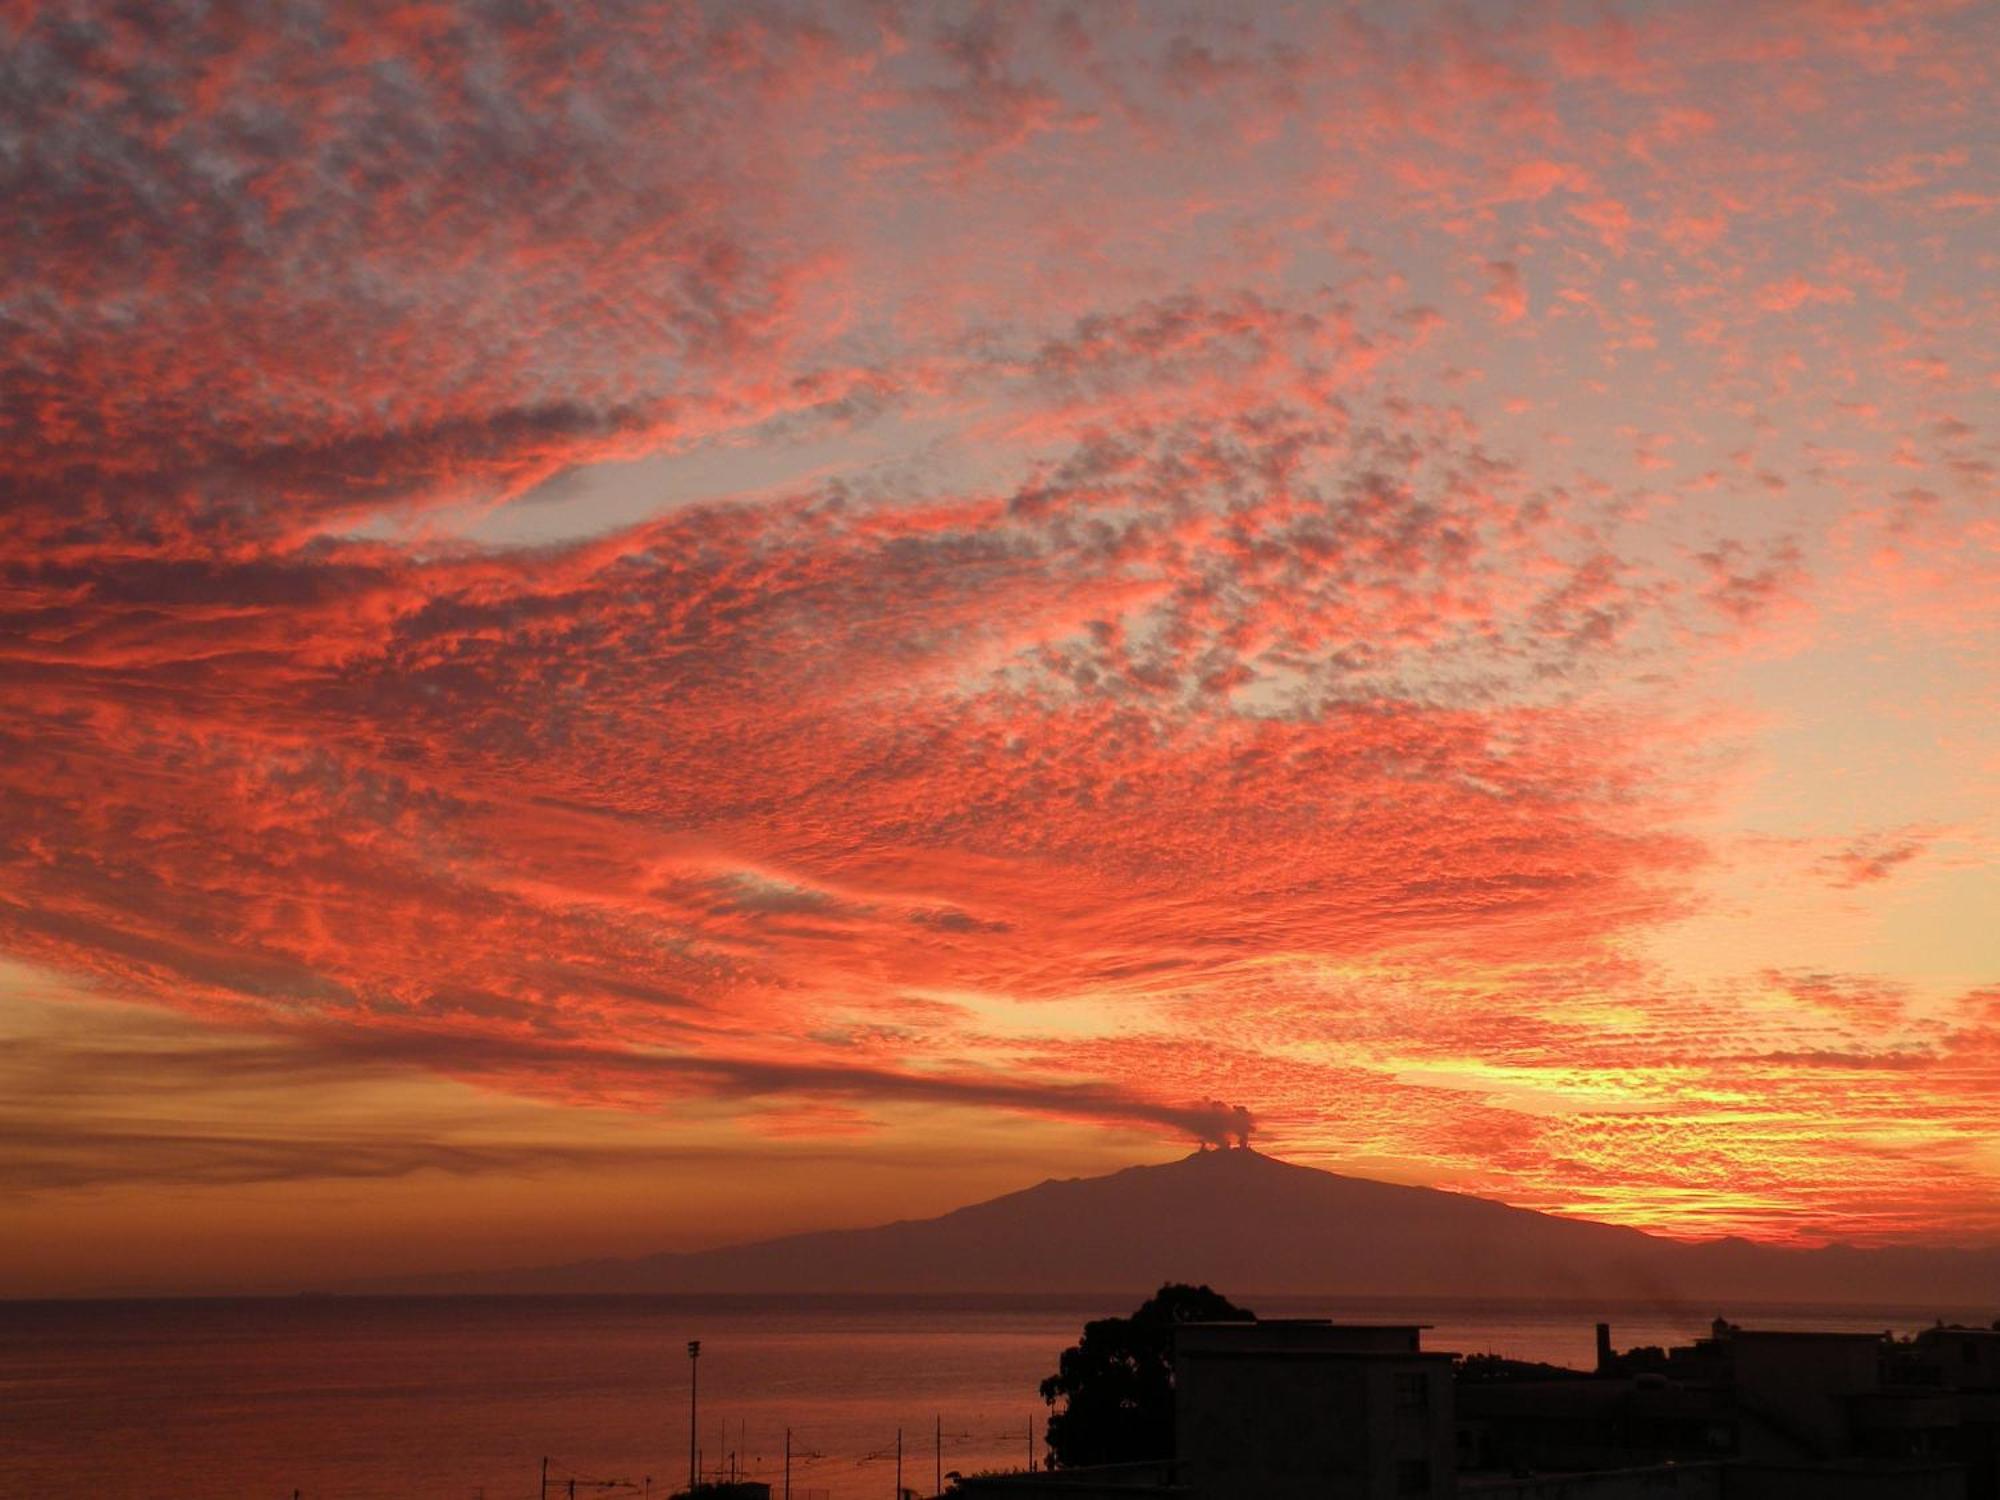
{"x": 1115, "y": 1385}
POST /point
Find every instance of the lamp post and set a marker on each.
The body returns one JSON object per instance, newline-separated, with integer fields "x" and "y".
{"x": 694, "y": 1383}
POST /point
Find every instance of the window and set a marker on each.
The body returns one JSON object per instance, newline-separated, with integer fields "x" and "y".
{"x": 1413, "y": 1391}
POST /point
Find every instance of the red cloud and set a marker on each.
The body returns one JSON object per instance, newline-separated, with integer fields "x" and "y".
{"x": 1505, "y": 293}
{"x": 1870, "y": 861}
{"x": 1167, "y": 608}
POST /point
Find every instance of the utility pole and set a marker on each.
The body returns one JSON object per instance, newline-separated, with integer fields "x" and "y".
{"x": 788, "y": 1463}
{"x": 899, "y": 1463}
{"x": 937, "y": 1484}
{"x": 545, "y": 1479}
{"x": 1031, "y": 1445}
{"x": 694, "y": 1377}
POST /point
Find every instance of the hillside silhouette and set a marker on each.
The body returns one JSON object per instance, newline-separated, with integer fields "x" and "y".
{"x": 1241, "y": 1219}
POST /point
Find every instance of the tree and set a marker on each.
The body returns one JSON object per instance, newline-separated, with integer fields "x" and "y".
{"x": 1116, "y": 1384}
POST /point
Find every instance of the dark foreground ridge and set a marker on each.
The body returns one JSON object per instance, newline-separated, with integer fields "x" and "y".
{"x": 1243, "y": 1219}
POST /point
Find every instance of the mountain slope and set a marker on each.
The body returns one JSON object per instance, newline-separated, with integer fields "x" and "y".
{"x": 1248, "y": 1223}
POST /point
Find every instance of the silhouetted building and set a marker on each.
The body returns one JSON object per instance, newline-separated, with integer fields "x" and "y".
{"x": 1298, "y": 1408}
{"x": 1294, "y": 1408}
{"x": 1775, "y": 1415}
{"x": 1941, "y": 1398}
{"x": 1281, "y": 1410}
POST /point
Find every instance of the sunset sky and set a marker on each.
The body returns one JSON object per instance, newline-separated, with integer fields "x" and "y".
{"x": 625, "y": 627}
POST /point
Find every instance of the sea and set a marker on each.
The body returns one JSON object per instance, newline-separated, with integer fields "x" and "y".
{"x": 466, "y": 1398}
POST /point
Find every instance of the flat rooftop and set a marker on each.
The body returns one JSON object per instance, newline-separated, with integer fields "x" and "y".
{"x": 1300, "y": 1336}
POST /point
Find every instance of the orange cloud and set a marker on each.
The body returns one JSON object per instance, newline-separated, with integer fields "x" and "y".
{"x": 803, "y": 565}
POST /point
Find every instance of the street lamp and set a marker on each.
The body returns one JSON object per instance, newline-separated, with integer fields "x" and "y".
{"x": 694, "y": 1381}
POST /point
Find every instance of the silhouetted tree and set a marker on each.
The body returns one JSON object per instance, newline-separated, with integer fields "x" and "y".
{"x": 1116, "y": 1384}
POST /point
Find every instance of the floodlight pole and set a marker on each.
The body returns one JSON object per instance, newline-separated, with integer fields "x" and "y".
{"x": 694, "y": 1383}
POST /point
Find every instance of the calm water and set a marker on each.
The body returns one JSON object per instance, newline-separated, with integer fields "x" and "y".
{"x": 367, "y": 1399}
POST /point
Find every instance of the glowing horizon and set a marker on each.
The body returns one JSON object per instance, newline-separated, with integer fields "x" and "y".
{"x": 708, "y": 622}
